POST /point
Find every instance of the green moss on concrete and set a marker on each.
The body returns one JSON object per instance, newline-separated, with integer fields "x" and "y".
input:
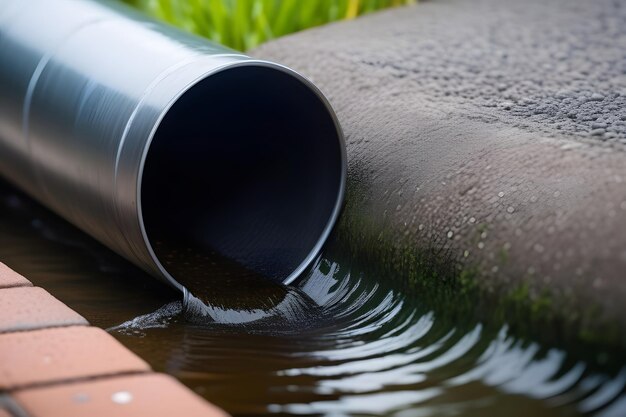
{"x": 449, "y": 285}
{"x": 503, "y": 256}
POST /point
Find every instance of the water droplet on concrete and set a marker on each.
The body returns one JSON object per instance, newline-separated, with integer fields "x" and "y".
{"x": 596, "y": 97}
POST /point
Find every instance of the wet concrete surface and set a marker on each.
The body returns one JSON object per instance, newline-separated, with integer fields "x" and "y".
{"x": 491, "y": 133}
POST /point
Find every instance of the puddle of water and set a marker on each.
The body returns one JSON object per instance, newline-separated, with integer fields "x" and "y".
{"x": 342, "y": 341}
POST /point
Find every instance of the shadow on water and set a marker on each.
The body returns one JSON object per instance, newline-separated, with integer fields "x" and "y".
{"x": 341, "y": 341}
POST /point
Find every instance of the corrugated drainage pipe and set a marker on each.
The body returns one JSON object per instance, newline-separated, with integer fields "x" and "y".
{"x": 159, "y": 143}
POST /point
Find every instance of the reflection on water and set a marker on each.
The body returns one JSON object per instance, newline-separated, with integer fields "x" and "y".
{"x": 358, "y": 346}
{"x": 262, "y": 305}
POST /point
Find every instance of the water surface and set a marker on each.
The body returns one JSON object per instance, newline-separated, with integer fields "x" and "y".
{"x": 342, "y": 341}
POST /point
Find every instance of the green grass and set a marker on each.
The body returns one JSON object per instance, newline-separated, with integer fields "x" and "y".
{"x": 244, "y": 24}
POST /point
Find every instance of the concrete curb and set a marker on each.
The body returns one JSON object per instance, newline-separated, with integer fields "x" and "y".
{"x": 55, "y": 364}
{"x": 486, "y": 147}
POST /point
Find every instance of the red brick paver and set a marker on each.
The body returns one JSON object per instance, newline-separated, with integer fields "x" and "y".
{"x": 28, "y": 308}
{"x": 9, "y": 278}
{"x": 62, "y": 354}
{"x": 53, "y": 364}
{"x": 153, "y": 395}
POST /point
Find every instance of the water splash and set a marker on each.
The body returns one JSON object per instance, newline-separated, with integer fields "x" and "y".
{"x": 287, "y": 309}
{"x": 159, "y": 319}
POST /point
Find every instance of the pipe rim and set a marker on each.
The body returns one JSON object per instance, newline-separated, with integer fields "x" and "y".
{"x": 315, "y": 252}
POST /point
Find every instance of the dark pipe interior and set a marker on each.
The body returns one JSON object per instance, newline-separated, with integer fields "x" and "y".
{"x": 243, "y": 172}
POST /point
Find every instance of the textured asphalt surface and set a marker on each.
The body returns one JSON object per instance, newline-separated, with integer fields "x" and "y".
{"x": 493, "y": 129}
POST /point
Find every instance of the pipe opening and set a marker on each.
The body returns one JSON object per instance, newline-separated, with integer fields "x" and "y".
{"x": 243, "y": 176}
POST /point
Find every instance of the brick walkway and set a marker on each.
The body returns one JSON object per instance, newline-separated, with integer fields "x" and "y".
{"x": 53, "y": 363}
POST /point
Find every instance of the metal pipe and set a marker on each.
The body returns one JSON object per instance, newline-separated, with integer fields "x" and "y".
{"x": 159, "y": 143}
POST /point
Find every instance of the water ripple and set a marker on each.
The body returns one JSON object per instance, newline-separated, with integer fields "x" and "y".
{"x": 376, "y": 351}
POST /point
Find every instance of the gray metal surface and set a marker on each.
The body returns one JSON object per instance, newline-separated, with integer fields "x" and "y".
{"x": 84, "y": 89}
